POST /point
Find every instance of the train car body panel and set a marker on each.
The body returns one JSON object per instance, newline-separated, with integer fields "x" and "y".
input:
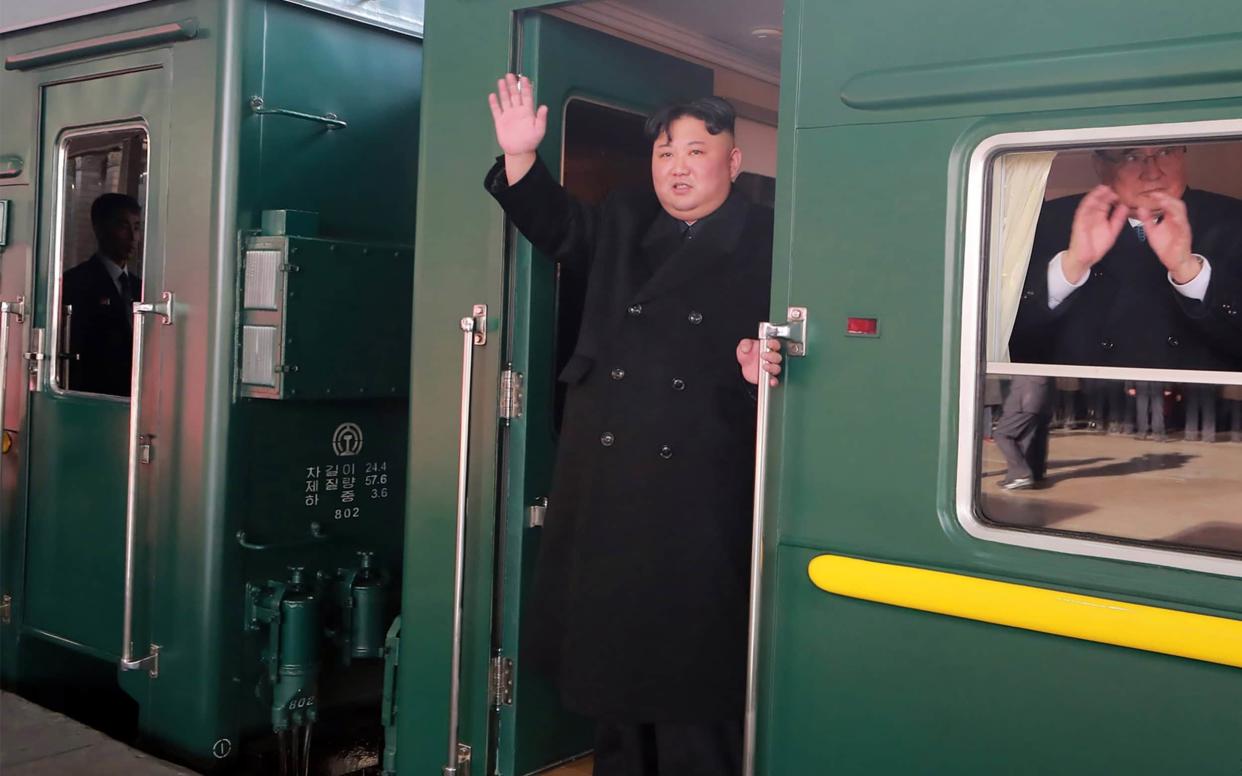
{"x": 232, "y": 490}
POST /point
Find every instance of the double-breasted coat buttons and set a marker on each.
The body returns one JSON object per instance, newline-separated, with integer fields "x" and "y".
{"x": 666, "y": 452}
{"x": 606, "y": 439}
{"x": 679, "y": 384}
{"x": 635, "y": 310}
{"x": 617, "y": 373}
{"x": 695, "y": 317}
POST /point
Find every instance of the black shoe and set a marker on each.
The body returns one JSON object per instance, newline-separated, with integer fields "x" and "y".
{"x": 1018, "y": 483}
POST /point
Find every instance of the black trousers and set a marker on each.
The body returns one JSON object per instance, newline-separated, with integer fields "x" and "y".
{"x": 668, "y": 749}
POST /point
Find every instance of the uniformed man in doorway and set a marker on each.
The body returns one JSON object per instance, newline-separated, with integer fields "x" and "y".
{"x": 101, "y": 292}
{"x": 640, "y": 602}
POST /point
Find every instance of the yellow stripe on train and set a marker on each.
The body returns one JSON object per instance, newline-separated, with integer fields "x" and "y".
{"x": 1149, "y": 628}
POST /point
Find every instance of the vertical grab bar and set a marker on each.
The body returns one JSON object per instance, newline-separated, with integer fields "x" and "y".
{"x": 17, "y": 309}
{"x": 474, "y": 334}
{"x": 163, "y": 309}
{"x": 794, "y": 333}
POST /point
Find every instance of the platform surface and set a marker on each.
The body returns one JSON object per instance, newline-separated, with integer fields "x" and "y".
{"x": 38, "y": 742}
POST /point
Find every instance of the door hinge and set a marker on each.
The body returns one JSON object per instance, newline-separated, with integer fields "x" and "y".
{"x": 511, "y": 394}
{"x": 6, "y": 609}
{"x": 463, "y": 762}
{"x": 500, "y": 681}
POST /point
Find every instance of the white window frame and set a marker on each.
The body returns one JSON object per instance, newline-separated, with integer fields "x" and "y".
{"x": 56, "y": 268}
{"x": 978, "y": 243}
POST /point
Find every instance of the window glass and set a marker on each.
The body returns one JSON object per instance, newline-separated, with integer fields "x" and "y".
{"x": 1141, "y": 460}
{"x": 1076, "y": 277}
{"x": 1110, "y": 403}
{"x": 100, "y": 257}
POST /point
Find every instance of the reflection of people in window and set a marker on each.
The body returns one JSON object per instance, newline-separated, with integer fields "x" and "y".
{"x": 1141, "y": 271}
{"x": 101, "y": 292}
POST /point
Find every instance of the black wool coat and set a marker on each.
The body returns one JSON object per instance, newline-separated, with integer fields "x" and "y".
{"x": 1128, "y": 314}
{"x": 639, "y": 607}
{"x": 102, "y": 330}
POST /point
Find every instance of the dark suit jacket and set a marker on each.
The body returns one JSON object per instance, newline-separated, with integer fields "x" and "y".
{"x": 640, "y": 601}
{"x": 1128, "y": 314}
{"x": 101, "y": 333}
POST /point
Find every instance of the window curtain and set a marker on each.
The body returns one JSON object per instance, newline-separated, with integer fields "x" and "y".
{"x": 1023, "y": 179}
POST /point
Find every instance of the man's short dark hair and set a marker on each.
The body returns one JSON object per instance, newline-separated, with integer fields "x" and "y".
{"x": 715, "y": 112}
{"x": 106, "y": 206}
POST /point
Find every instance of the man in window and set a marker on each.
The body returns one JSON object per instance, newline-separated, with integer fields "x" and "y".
{"x": 1141, "y": 271}
{"x": 100, "y": 293}
{"x": 640, "y": 604}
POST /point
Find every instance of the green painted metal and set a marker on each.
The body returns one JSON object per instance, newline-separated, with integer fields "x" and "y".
{"x": 864, "y": 440}
{"x": 345, "y": 306}
{"x": 565, "y": 62}
{"x": 388, "y": 705}
{"x": 222, "y": 465}
{"x": 879, "y": 114}
{"x": 368, "y": 610}
{"x": 464, "y": 268}
{"x": 78, "y": 443}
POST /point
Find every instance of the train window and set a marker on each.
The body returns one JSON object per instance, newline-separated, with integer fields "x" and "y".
{"x": 1106, "y": 355}
{"x": 98, "y": 256}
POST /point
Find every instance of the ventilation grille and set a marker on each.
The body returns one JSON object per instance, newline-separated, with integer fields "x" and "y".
{"x": 262, "y": 268}
{"x": 258, "y": 358}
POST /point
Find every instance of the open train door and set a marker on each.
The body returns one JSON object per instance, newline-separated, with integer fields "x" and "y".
{"x": 598, "y": 90}
{"x": 462, "y": 659}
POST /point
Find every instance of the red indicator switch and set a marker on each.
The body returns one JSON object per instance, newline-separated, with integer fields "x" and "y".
{"x": 862, "y": 327}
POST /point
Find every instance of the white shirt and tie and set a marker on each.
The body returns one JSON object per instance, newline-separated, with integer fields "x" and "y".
{"x": 121, "y": 278}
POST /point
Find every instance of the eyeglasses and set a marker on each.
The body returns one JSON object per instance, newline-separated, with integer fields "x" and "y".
{"x": 1131, "y": 159}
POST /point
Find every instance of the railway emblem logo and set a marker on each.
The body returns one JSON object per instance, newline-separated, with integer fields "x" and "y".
{"x": 347, "y": 440}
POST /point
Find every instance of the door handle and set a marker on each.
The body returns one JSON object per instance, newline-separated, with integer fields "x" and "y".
{"x": 16, "y": 309}
{"x": 793, "y": 333}
{"x": 474, "y": 334}
{"x": 163, "y": 309}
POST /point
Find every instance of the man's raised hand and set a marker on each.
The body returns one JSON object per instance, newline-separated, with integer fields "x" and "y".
{"x": 1170, "y": 237}
{"x": 1097, "y": 222}
{"x": 520, "y": 127}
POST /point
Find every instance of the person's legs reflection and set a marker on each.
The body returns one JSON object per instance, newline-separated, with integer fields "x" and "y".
{"x": 1022, "y": 432}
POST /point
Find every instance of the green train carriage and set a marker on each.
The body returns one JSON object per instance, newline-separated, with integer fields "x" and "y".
{"x": 209, "y": 565}
{"x": 911, "y": 616}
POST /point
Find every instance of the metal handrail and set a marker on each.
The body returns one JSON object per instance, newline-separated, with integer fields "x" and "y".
{"x": 474, "y": 334}
{"x": 141, "y": 310}
{"x": 18, "y": 309}
{"x": 794, "y": 333}
{"x": 317, "y": 534}
{"x": 330, "y": 120}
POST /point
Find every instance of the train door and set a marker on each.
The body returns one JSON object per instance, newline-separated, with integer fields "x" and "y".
{"x": 100, "y": 251}
{"x": 598, "y": 90}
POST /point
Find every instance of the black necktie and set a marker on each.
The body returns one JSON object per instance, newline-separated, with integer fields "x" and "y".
{"x": 127, "y": 296}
